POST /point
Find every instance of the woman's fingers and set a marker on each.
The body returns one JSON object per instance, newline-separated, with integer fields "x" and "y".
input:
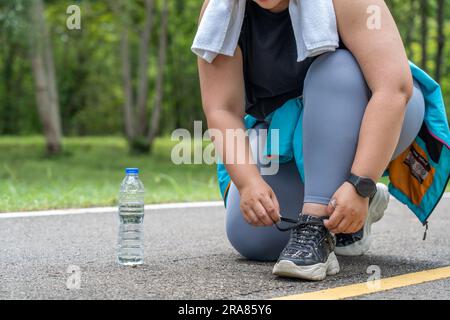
{"x": 335, "y": 219}
{"x": 262, "y": 214}
{"x": 354, "y": 227}
{"x": 344, "y": 222}
{"x": 248, "y": 214}
{"x": 250, "y": 217}
{"x": 331, "y": 206}
{"x": 271, "y": 209}
{"x": 259, "y": 201}
{"x": 343, "y": 226}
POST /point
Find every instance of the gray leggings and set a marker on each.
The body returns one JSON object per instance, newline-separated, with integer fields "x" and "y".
{"x": 335, "y": 98}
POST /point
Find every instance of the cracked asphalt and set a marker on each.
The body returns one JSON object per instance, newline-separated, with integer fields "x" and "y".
{"x": 189, "y": 257}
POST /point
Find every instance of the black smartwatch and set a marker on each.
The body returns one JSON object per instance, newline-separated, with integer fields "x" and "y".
{"x": 365, "y": 187}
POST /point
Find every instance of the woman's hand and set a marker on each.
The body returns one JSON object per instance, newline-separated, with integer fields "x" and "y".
{"x": 259, "y": 205}
{"x": 348, "y": 210}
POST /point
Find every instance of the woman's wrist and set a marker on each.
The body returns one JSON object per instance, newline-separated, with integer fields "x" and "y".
{"x": 371, "y": 174}
{"x": 249, "y": 181}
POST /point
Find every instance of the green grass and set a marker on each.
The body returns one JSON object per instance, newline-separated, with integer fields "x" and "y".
{"x": 90, "y": 173}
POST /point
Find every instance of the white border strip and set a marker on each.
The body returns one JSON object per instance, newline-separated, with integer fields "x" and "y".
{"x": 152, "y": 207}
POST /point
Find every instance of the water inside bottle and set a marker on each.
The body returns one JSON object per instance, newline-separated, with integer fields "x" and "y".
{"x": 131, "y": 250}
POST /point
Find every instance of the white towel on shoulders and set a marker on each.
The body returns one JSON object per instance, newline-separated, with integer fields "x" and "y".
{"x": 313, "y": 22}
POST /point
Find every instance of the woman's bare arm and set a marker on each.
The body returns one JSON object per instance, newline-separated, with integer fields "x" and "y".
{"x": 223, "y": 98}
{"x": 382, "y": 58}
{"x": 222, "y": 86}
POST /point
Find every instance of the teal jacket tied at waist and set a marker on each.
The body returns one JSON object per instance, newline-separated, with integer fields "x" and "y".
{"x": 418, "y": 184}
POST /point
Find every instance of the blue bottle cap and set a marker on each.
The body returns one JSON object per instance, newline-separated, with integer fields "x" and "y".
{"x": 132, "y": 171}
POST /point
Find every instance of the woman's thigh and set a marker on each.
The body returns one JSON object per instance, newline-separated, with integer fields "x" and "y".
{"x": 265, "y": 243}
{"x": 336, "y": 92}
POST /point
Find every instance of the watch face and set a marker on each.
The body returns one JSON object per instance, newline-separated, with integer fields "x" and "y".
{"x": 366, "y": 187}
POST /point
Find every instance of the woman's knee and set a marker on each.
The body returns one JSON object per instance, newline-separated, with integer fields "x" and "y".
{"x": 252, "y": 248}
{"x": 336, "y": 73}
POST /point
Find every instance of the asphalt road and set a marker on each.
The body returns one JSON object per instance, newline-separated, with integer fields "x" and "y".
{"x": 188, "y": 257}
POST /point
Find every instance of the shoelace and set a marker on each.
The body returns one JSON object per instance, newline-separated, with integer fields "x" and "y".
{"x": 296, "y": 224}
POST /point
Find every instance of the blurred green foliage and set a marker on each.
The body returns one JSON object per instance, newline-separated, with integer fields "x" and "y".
{"x": 89, "y": 69}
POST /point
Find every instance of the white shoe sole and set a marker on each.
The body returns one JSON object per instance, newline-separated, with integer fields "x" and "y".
{"x": 316, "y": 272}
{"x": 377, "y": 208}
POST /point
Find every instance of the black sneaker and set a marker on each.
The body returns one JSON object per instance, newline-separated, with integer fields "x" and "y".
{"x": 309, "y": 253}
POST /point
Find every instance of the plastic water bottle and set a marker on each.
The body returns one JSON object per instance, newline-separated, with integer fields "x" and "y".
{"x": 131, "y": 219}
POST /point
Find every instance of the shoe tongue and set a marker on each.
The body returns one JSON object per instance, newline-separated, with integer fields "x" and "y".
{"x": 307, "y": 218}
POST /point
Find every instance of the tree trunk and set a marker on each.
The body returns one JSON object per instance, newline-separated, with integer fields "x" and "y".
{"x": 162, "y": 55}
{"x": 44, "y": 77}
{"x": 121, "y": 11}
{"x": 411, "y": 30}
{"x": 128, "y": 112}
{"x": 440, "y": 39}
{"x": 142, "y": 93}
{"x": 135, "y": 103}
{"x": 424, "y": 32}
{"x": 9, "y": 111}
{"x": 52, "y": 83}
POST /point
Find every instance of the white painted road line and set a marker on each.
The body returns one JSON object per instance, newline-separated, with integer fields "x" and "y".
{"x": 66, "y": 212}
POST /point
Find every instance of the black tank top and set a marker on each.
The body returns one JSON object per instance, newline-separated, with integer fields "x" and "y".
{"x": 272, "y": 74}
